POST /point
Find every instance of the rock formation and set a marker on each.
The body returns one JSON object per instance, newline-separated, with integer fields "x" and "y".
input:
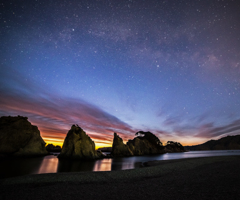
{"x": 78, "y": 145}
{"x": 174, "y": 147}
{"x": 145, "y": 143}
{"x": 105, "y": 149}
{"x": 53, "y": 148}
{"x": 18, "y": 137}
{"x": 119, "y": 149}
{"x": 225, "y": 143}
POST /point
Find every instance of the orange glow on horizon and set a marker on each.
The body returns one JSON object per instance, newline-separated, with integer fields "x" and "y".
{"x": 103, "y": 143}
{"x": 53, "y": 141}
{"x": 55, "y": 127}
{"x": 59, "y": 142}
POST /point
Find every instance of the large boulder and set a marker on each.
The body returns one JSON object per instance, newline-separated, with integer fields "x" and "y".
{"x": 145, "y": 143}
{"x": 119, "y": 149}
{"x": 18, "y": 137}
{"x": 78, "y": 145}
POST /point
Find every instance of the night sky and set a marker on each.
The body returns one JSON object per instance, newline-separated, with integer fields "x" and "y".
{"x": 169, "y": 67}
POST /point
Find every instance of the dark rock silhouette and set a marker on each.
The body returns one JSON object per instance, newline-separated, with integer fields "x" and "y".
{"x": 146, "y": 143}
{"x": 53, "y": 148}
{"x": 105, "y": 149}
{"x": 174, "y": 147}
{"x": 78, "y": 145}
{"x": 18, "y": 137}
{"x": 119, "y": 149}
{"x": 225, "y": 143}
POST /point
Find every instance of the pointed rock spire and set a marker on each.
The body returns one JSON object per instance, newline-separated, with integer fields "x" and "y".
{"x": 78, "y": 145}
{"x": 119, "y": 149}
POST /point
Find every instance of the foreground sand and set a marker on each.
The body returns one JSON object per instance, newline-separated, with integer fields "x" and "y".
{"x": 197, "y": 178}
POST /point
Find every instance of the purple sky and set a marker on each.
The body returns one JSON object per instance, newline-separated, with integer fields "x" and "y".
{"x": 169, "y": 67}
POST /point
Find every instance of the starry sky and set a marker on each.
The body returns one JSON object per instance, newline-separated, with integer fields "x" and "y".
{"x": 169, "y": 67}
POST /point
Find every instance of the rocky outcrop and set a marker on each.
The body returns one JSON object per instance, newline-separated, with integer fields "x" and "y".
{"x": 225, "y": 143}
{"x": 18, "y": 137}
{"x": 53, "y": 148}
{"x": 78, "y": 145}
{"x": 145, "y": 143}
{"x": 105, "y": 149}
{"x": 174, "y": 147}
{"x": 119, "y": 149}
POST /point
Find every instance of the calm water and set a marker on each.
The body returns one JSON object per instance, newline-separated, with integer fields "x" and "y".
{"x": 51, "y": 164}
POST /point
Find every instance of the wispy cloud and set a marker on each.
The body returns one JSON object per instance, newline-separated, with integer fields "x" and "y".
{"x": 55, "y": 114}
{"x": 211, "y": 131}
{"x": 202, "y": 127}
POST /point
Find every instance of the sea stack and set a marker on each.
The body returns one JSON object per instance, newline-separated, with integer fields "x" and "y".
{"x": 119, "y": 149}
{"x": 174, "y": 147}
{"x": 146, "y": 143}
{"x": 18, "y": 137}
{"x": 78, "y": 145}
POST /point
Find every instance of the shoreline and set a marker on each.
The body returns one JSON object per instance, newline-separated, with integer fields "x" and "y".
{"x": 216, "y": 177}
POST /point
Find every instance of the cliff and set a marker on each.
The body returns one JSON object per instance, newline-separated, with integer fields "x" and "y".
{"x": 18, "y": 137}
{"x": 225, "y": 143}
{"x": 78, "y": 145}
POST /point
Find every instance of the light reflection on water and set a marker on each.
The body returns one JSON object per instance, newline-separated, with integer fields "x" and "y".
{"x": 103, "y": 165}
{"x": 51, "y": 164}
{"x": 48, "y": 165}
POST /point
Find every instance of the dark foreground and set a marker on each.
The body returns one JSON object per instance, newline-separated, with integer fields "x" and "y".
{"x": 196, "y": 178}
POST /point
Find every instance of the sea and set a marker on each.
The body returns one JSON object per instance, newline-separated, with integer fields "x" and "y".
{"x": 13, "y": 167}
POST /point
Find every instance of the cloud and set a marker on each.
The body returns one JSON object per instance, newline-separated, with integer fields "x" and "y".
{"x": 171, "y": 121}
{"x": 201, "y": 126}
{"x": 54, "y": 114}
{"x": 161, "y": 133}
{"x": 207, "y": 130}
{"x": 210, "y": 131}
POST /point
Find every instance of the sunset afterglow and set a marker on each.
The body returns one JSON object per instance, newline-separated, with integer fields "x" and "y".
{"x": 168, "y": 67}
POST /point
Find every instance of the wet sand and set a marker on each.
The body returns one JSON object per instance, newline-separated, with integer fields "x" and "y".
{"x": 193, "y": 178}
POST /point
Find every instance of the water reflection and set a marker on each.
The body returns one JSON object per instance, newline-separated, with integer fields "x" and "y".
{"x": 126, "y": 163}
{"x": 103, "y": 165}
{"x": 65, "y": 165}
{"x": 12, "y": 167}
{"x": 49, "y": 165}
{"x": 195, "y": 154}
{"x": 117, "y": 163}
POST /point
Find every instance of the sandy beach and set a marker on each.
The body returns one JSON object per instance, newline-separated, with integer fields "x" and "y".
{"x": 194, "y": 178}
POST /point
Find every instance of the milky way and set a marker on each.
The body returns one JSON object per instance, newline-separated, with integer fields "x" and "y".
{"x": 169, "y": 67}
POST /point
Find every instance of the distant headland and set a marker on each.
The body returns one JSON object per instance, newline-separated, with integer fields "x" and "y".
{"x": 225, "y": 143}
